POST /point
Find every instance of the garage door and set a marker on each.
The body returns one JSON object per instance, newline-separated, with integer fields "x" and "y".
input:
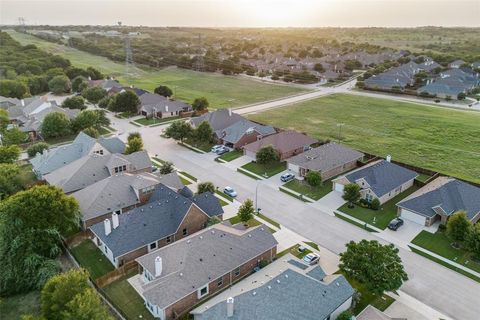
{"x": 406, "y": 214}
{"x": 339, "y": 187}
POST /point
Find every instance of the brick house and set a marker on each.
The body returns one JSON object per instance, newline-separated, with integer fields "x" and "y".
{"x": 176, "y": 277}
{"x": 167, "y": 217}
{"x": 243, "y": 132}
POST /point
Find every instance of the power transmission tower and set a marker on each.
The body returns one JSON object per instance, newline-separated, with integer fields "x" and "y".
{"x": 199, "y": 63}
{"x": 21, "y": 23}
{"x": 129, "y": 64}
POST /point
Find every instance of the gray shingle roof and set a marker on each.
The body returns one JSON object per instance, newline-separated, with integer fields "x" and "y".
{"x": 289, "y": 294}
{"x": 382, "y": 176}
{"x": 218, "y": 120}
{"x": 285, "y": 141}
{"x": 326, "y": 157}
{"x": 234, "y": 132}
{"x": 166, "y": 106}
{"x": 194, "y": 261}
{"x": 159, "y": 218}
{"x": 452, "y": 196}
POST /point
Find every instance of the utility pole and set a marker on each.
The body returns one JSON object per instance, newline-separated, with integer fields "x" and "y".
{"x": 21, "y": 23}
{"x": 129, "y": 64}
{"x": 199, "y": 63}
{"x": 340, "y": 125}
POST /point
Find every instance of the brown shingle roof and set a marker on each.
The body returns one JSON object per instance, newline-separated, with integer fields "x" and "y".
{"x": 283, "y": 142}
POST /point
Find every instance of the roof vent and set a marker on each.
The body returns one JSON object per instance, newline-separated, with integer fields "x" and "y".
{"x": 249, "y": 235}
{"x": 278, "y": 281}
{"x": 188, "y": 241}
{"x": 181, "y": 274}
{"x": 254, "y": 292}
{"x": 262, "y": 229}
{"x": 201, "y": 237}
{"x": 286, "y": 276}
{"x": 269, "y": 287}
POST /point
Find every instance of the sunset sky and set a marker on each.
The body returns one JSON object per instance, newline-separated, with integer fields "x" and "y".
{"x": 245, "y": 13}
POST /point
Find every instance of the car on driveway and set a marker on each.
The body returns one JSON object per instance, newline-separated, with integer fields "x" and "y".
{"x": 395, "y": 224}
{"x": 216, "y": 147}
{"x": 222, "y": 150}
{"x": 229, "y": 191}
{"x": 311, "y": 258}
{"x": 287, "y": 177}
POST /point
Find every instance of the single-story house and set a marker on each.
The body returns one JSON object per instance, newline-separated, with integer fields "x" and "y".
{"x": 218, "y": 119}
{"x": 176, "y": 277}
{"x": 165, "y": 109}
{"x": 53, "y": 159}
{"x": 243, "y": 132}
{"x": 287, "y": 144}
{"x": 120, "y": 193}
{"x": 450, "y": 83}
{"x": 95, "y": 167}
{"x": 167, "y": 217}
{"x": 380, "y": 180}
{"x": 456, "y": 64}
{"x": 109, "y": 85}
{"x": 329, "y": 160}
{"x": 284, "y": 290}
{"x": 439, "y": 199}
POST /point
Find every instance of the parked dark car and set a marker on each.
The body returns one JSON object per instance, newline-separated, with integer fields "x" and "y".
{"x": 395, "y": 224}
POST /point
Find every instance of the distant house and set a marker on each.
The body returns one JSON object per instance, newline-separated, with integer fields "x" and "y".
{"x": 284, "y": 290}
{"x": 157, "y": 106}
{"x": 398, "y": 77}
{"x": 176, "y": 277}
{"x": 218, "y": 119}
{"x": 94, "y": 167}
{"x": 329, "y": 160}
{"x": 287, "y": 144}
{"x": 167, "y": 217}
{"x": 439, "y": 199}
{"x": 120, "y": 193}
{"x": 109, "y": 85}
{"x": 83, "y": 145}
{"x": 456, "y": 64}
{"x": 380, "y": 180}
{"x": 243, "y": 132}
{"x": 451, "y": 83}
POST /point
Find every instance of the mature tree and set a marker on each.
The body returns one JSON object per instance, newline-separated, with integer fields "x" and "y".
{"x": 56, "y": 124}
{"x": 319, "y": 67}
{"x": 13, "y": 89}
{"x": 134, "y": 145}
{"x": 90, "y": 118}
{"x": 377, "y": 266}
{"x": 461, "y": 96}
{"x": 126, "y": 101}
{"x": 205, "y": 187}
{"x": 31, "y": 222}
{"x": 166, "y": 168}
{"x": 14, "y": 136}
{"x": 53, "y": 72}
{"x": 37, "y": 84}
{"x": 92, "y": 132}
{"x": 74, "y": 73}
{"x": 246, "y": 211}
{"x": 75, "y": 102}
{"x": 86, "y": 306}
{"x": 94, "y": 74}
{"x": 38, "y": 147}
{"x": 9, "y": 154}
{"x": 163, "y": 91}
{"x": 94, "y": 94}
{"x": 10, "y": 181}
{"x": 473, "y": 240}
{"x": 351, "y": 193}
{"x": 352, "y": 64}
{"x": 313, "y": 178}
{"x": 200, "y": 104}
{"x": 4, "y": 119}
{"x": 60, "y": 84}
{"x": 267, "y": 154}
{"x": 132, "y": 135}
{"x": 458, "y": 226}
{"x": 179, "y": 130}
{"x": 375, "y": 204}
{"x": 204, "y": 132}
{"x": 105, "y": 102}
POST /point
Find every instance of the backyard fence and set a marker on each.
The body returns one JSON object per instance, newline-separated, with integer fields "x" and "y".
{"x": 116, "y": 274}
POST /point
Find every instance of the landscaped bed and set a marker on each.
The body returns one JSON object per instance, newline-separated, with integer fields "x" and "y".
{"x": 378, "y": 218}
{"x": 232, "y": 155}
{"x": 91, "y": 258}
{"x": 312, "y": 192}
{"x": 294, "y": 251}
{"x": 265, "y": 170}
{"x": 250, "y": 223}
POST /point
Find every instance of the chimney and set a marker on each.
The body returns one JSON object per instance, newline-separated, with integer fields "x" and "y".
{"x": 389, "y": 158}
{"x": 108, "y": 227}
{"x": 22, "y": 102}
{"x": 229, "y": 112}
{"x": 115, "y": 221}
{"x": 158, "y": 266}
{"x": 230, "y": 307}
{"x": 89, "y": 78}
{"x": 166, "y": 108}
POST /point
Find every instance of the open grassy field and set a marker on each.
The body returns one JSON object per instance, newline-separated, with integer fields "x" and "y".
{"x": 220, "y": 90}
{"x": 15, "y": 306}
{"x": 435, "y": 138}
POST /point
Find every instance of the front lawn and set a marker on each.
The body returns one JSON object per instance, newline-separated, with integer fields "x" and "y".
{"x": 125, "y": 298}
{"x": 92, "y": 259}
{"x": 250, "y": 223}
{"x": 60, "y": 140}
{"x": 265, "y": 170}
{"x": 272, "y": 222}
{"x": 188, "y": 175}
{"x": 153, "y": 121}
{"x": 440, "y": 244}
{"x": 15, "y": 306}
{"x": 232, "y": 155}
{"x": 294, "y": 251}
{"x": 304, "y": 188}
{"x": 126, "y": 115}
{"x": 202, "y": 145}
{"x": 379, "y": 218}
{"x": 423, "y": 177}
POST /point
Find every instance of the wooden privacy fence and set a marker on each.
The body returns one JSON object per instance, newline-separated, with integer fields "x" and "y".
{"x": 116, "y": 274}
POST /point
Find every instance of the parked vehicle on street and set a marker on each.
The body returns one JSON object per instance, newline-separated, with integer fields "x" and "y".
{"x": 216, "y": 147}
{"x": 311, "y": 258}
{"x": 395, "y": 224}
{"x": 287, "y": 177}
{"x": 229, "y": 191}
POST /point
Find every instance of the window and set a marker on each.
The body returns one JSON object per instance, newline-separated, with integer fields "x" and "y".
{"x": 202, "y": 292}
{"x": 220, "y": 282}
{"x": 185, "y": 232}
{"x": 153, "y": 245}
{"x": 98, "y": 151}
{"x": 169, "y": 239}
{"x": 118, "y": 211}
{"x": 120, "y": 168}
{"x": 236, "y": 272}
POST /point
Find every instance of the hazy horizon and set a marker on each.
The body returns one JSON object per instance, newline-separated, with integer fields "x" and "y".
{"x": 244, "y": 14}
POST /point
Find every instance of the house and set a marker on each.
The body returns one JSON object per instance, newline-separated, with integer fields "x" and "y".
{"x": 451, "y": 83}
{"x": 439, "y": 199}
{"x": 243, "y": 132}
{"x": 165, "y": 109}
{"x": 53, "y": 159}
{"x": 109, "y": 85}
{"x": 120, "y": 193}
{"x": 167, "y": 217}
{"x": 398, "y": 77}
{"x": 380, "y": 180}
{"x": 284, "y": 290}
{"x": 95, "y": 167}
{"x": 456, "y": 64}
{"x": 176, "y": 277}
{"x": 329, "y": 160}
{"x": 218, "y": 119}
{"x": 287, "y": 144}
{"x": 372, "y": 313}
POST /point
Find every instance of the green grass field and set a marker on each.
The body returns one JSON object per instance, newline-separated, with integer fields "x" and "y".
{"x": 435, "y": 138}
{"x": 265, "y": 170}
{"x": 220, "y": 90}
{"x": 92, "y": 259}
{"x": 304, "y": 188}
{"x": 15, "y": 306}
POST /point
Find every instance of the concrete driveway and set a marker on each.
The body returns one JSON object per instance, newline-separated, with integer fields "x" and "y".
{"x": 331, "y": 202}
{"x": 410, "y": 230}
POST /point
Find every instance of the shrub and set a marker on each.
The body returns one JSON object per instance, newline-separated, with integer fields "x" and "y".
{"x": 375, "y": 204}
{"x": 313, "y": 178}
{"x": 267, "y": 154}
{"x": 205, "y": 187}
{"x": 263, "y": 263}
{"x": 37, "y": 148}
